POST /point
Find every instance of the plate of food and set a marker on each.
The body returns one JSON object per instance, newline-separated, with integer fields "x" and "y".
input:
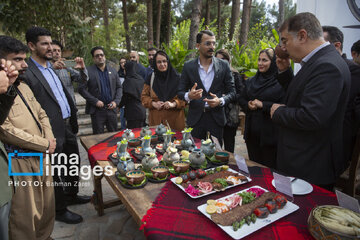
{"x": 200, "y": 183}
{"x": 242, "y": 213}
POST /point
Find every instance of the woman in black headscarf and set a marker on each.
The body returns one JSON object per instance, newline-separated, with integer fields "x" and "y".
{"x": 135, "y": 113}
{"x": 160, "y": 94}
{"x": 260, "y": 92}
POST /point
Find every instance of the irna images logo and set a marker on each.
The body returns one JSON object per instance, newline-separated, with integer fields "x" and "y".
{"x": 15, "y": 153}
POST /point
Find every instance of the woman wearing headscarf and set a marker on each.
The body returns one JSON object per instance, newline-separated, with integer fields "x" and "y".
{"x": 260, "y": 92}
{"x": 160, "y": 94}
{"x": 135, "y": 113}
{"x": 232, "y": 109}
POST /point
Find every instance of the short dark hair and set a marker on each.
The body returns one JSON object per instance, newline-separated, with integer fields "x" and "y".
{"x": 33, "y": 34}
{"x": 356, "y": 47}
{"x": 334, "y": 35}
{"x": 56, "y": 42}
{"x": 201, "y": 33}
{"x": 97, "y": 48}
{"x": 11, "y": 45}
{"x": 152, "y": 49}
{"x": 223, "y": 52}
{"x": 306, "y": 21}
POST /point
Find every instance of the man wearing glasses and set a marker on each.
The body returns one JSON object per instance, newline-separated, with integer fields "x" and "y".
{"x": 207, "y": 84}
{"x": 102, "y": 92}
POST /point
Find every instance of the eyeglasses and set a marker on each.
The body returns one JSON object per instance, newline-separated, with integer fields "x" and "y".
{"x": 209, "y": 43}
{"x": 163, "y": 61}
{"x": 99, "y": 55}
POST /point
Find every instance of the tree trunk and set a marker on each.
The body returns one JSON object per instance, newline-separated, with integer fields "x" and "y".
{"x": 219, "y": 17}
{"x": 106, "y": 23}
{"x": 281, "y": 12}
{"x": 195, "y": 21}
{"x": 245, "y": 21}
{"x": 235, "y": 15}
{"x": 126, "y": 26}
{"x": 168, "y": 21}
{"x": 158, "y": 24}
{"x": 150, "y": 28}
{"x": 207, "y": 14}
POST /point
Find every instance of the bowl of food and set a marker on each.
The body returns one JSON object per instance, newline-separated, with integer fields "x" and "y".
{"x": 135, "y": 177}
{"x": 333, "y": 222}
{"x": 160, "y": 172}
{"x": 138, "y": 150}
{"x": 181, "y": 166}
{"x": 222, "y": 156}
{"x": 134, "y": 142}
{"x": 154, "y": 139}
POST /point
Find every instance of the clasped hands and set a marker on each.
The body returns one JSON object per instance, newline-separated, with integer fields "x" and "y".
{"x": 163, "y": 105}
{"x": 195, "y": 94}
{"x": 255, "y": 104}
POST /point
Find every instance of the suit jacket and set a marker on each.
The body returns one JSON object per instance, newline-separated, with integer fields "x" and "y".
{"x": 45, "y": 96}
{"x": 222, "y": 86}
{"x": 91, "y": 90}
{"x": 310, "y": 125}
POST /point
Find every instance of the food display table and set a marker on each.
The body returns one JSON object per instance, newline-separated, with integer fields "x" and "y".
{"x": 165, "y": 212}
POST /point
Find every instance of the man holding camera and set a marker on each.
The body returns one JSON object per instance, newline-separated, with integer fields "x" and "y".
{"x": 102, "y": 92}
{"x": 65, "y": 69}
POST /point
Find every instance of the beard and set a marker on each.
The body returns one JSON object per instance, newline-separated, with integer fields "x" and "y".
{"x": 151, "y": 62}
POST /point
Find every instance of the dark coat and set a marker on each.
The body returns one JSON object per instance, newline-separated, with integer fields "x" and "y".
{"x": 91, "y": 90}
{"x": 45, "y": 96}
{"x": 352, "y": 113}
{"x": 311, "y": 123}
{"x": 223, "y": 83}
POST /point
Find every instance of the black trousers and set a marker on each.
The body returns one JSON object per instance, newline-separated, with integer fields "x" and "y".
{"x": 135, "y": 123}
{"x": 205, "y": 124}
{"x": 103, "y": 117}
{"x": 265, "y": 155}
{"x": 229, "y": 138}
{"x": 65, "y": 185}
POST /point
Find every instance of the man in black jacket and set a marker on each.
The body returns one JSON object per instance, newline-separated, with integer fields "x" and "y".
{"x": 60, "y": 108}
{"x": 207, "y": 83}
{"x": 351, "y": 120}
{"x": 102, "y": 92}
{"x": 310, "y": 123}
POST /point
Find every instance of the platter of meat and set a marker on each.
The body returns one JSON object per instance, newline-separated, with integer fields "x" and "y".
{"x": 247, "y": 211}
{"x": 200, "y": 183}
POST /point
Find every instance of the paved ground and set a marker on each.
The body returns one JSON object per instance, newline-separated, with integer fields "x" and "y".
{"x": 117, "y": 222}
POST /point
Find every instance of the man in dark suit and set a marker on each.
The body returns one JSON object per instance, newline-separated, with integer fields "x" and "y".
{"x": 141, "y": 70}
{"x": 60, "y": 108}
{"x": 207, "y": 83}
{"x": 310, "y": 122}
{"x": 351, "y": 121}
{"x": 102, "y": 92}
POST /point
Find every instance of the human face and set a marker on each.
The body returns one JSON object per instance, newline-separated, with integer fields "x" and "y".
{"x": 56, "y": 52}
{"x": 18, "y": 60}
{"x": 161, "y": 63}
{"x": 207, "y": 46}
{"x": 151, "y": 55}
{"x": 99, "y": 57}
{"x": 356, "y": 57}
{"x": 264, "y": 62}
{"x": 221, "y": 56}
{"x": 291, "y": 44}
{"x": 134, "y": 57}
{"x": 122, "y": 63}
{"x": 43, "y": 48}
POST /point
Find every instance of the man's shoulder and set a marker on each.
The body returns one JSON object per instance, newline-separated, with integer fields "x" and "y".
{"x": 190, "y": 63}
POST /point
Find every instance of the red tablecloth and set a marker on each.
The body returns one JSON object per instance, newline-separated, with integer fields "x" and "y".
{"x": 174, "y": 215}
{"x": 102, "y": 150}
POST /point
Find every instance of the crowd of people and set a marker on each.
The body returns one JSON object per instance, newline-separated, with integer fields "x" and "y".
{"x": 302, "y": 124}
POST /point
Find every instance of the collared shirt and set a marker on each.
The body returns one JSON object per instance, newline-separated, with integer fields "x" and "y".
{"x": 56, "y": 87}
{"x": 105, "y": 96}
{"x": 206, "y": 79}
{"x": 312, "y": 53}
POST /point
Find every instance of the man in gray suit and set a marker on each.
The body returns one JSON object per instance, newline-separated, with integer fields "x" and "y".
{"x": 208, "y": 84}
{"x": 311, "y": 121}
{"x": 102, "y": 92}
